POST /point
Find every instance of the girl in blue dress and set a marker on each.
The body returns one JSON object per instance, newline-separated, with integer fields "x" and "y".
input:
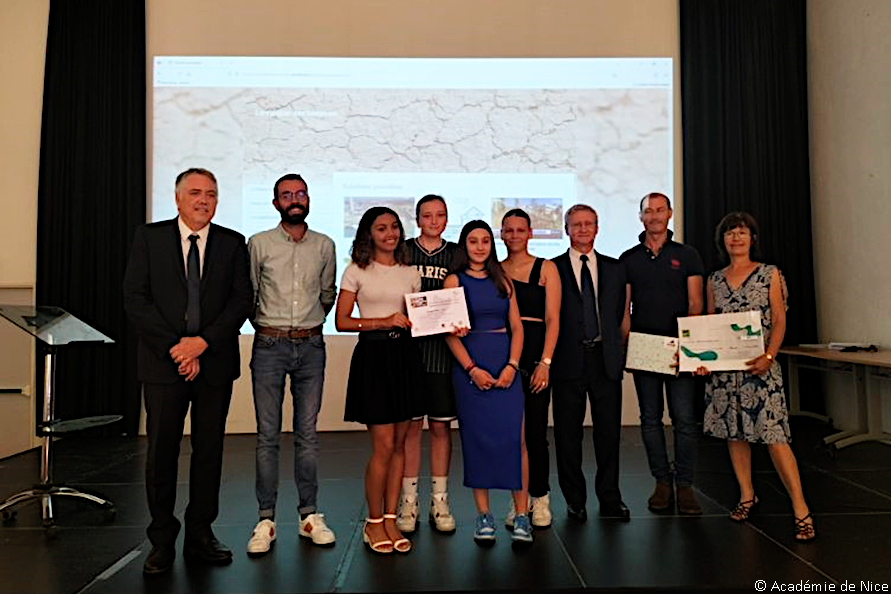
{"x": 490, "y": 402}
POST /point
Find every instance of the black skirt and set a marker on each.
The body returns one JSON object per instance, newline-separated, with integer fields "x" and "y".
{"x": 386, "y": 382}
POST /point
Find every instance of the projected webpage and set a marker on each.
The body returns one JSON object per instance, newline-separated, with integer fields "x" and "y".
{"x": 486, "y": 134}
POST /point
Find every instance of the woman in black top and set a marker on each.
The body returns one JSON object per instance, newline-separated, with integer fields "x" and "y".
{"x": 537, "y": 284}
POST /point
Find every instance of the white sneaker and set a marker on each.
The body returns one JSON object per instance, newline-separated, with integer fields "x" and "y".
{"x": 407, "y": 514}
{"x": 440, "y": 516}
{"x": 541, "y": 511}
{"x": 261, "y": 538}
{"x": 511, "y": 514}
{"x": 314, "y": 527}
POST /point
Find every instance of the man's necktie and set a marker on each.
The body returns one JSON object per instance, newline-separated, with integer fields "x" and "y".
{"x": 193, "y": 309}
{"x": 589, "y": 302}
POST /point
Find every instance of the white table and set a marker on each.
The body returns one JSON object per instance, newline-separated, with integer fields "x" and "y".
{"x": 863, "y": 368}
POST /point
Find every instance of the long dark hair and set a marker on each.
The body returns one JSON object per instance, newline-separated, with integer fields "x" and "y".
{"x": 732, "y": 221}
{"x": 461, "y": 262}
{"x": 362, "y": 250}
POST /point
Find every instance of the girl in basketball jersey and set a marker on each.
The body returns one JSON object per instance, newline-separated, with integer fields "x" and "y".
{"x": 432, "y": 256}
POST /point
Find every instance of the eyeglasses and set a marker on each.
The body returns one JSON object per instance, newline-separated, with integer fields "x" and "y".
{"x": 737, "y": 233}
{"x": 294, "y": 195}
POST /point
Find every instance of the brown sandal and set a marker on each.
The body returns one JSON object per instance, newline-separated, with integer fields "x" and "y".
{"x": 804, "y": 530}
{"x": 740, "y": 513}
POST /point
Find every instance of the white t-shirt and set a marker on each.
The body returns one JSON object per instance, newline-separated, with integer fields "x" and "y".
{"x": 380, "y": 289}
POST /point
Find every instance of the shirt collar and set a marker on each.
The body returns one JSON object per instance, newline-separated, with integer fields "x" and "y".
{"x": 287, "y": 236}
{"x": 184, "y": 231}
{"x": 575, "y": 254}
{"x": 653, "y": 255}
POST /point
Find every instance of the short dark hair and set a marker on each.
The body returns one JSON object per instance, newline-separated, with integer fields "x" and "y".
{"x": 732, "y": 221}
{"x": 654, "y": 195}
{"x": 197, "y": 170}
{"x": 362, "y": 250}
{"x": 425, "y": 200}
{"x": 460, "y": 261}
{"x": 579, "y": 208}
{"x": 288, "y": 177}
{"x": 517, "y": 212}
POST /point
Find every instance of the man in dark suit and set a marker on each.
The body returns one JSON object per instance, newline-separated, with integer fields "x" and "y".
{"x": 187, "y": 291}
{"x": 587, "y": 366}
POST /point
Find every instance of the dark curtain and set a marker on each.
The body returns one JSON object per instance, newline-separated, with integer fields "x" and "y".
{"x": 745, "y": 127}
{"x": 91, "y": 194}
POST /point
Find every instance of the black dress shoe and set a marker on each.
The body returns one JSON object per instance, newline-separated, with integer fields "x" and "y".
{"x": 159, "y": 560}
{"x": 577, "y": 513}
{"x": 209, "y": 551}
{"x": 616, "y": 510}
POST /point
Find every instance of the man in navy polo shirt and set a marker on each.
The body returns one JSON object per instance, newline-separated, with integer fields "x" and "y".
{"x": 665, "y": 282}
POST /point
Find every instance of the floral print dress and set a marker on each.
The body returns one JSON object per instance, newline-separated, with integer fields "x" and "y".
{"x": 740, "y": 405}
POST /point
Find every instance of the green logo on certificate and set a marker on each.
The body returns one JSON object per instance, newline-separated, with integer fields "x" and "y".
{"x": 703, "y": 356}
{"x": 748, "y": 329}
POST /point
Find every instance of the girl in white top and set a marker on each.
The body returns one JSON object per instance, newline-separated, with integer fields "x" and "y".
{"x": 383, "y": 390}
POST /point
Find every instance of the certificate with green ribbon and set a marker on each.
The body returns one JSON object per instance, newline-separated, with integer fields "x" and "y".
{"x": 719, "y": 342}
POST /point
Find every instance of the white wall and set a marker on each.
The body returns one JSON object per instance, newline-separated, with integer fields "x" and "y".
{"x": 22, "y": 49}
{"x": 16, "y": 373}
{"x": 849, "y": 96}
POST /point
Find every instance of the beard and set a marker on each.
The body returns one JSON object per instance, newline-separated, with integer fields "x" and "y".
{"x": 295, "y": 215}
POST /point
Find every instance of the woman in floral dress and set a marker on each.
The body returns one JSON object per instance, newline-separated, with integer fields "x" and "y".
{"x": 746, "y": 407}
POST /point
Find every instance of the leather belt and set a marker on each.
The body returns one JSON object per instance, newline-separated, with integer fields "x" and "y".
{"x": 292, "y": 333}
{"x": 392, "y": 334}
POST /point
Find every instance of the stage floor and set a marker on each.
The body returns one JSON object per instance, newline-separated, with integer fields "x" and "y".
{"x": 849, "y": 493}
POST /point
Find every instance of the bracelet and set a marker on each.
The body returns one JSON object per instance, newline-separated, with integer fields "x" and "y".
{"x": 470, "y": 367}
{"x": 768, "y": 356}
{"x": 514, "y": 365}
{"x": 547, "y": 365}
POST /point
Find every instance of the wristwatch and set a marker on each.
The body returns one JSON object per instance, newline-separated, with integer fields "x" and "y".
{"x": 546, "y": 361}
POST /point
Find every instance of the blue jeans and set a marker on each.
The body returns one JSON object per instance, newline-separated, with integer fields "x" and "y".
{"x": 681, "y": 392}
{"x": 303, "y": 359}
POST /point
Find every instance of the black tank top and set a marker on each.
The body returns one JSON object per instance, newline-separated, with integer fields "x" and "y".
{"x": 531, "y": 295}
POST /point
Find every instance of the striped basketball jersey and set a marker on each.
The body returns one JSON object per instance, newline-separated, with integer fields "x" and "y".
{"x": 433, "y": 266}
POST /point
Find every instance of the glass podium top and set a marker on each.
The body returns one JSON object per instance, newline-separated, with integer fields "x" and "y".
{"x": 52, "y": 325}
